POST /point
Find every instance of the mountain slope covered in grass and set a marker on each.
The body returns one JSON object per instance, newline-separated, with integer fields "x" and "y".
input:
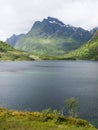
{"x": 7, "y": 52}
{"x": 89, "y": 51}
{"x": 52, "y": 37}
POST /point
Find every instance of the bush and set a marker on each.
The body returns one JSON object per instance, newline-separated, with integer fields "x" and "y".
{"x": 77, "y": 122}
{"x": 81, "y": 122}
{"x": 46, "y": 114}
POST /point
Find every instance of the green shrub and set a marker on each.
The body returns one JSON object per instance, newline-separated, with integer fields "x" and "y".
{"x": 81, "y": 122}
{"x": 77, "y": 122}
{"x": 45, "y": 114}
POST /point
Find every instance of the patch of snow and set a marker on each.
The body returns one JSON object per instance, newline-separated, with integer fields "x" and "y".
{"x": 54, "y": 22}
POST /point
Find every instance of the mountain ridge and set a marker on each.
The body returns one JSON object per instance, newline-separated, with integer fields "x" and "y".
{"x": 13, "y": 39}
{"x": 52, "y": 37}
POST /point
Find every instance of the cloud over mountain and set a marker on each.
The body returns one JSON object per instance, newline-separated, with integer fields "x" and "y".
{"x": 18, "y": 16}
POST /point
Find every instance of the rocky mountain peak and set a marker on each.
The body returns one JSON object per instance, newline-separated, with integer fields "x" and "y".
{"x": 52, "y": 37}
{"x": 54, "y": 21}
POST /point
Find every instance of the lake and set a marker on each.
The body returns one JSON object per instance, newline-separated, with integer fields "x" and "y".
{"x": 38, "y": 85}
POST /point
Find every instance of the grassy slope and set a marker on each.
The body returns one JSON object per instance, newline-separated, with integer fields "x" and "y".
{"x": 41, "y": 43}
{"x": 45, "y": 46}
{"x": 14, "y": 120}
{"x": 89, "y": 51}
{"x": 9, "y": 53}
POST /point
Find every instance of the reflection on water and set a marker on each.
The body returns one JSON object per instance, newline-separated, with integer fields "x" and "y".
{"x": 41, "y": 84}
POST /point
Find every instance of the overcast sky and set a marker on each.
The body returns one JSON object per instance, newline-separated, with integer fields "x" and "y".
{"x": 18, "y": 16}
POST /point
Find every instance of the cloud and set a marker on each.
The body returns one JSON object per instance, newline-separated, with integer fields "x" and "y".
{"x": 18, "y": 16}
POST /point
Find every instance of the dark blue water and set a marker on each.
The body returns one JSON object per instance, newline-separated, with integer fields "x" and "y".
{"x": 42, "y": 84}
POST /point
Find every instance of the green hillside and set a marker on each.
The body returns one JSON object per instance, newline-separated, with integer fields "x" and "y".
{"x": 9, "y": 53}
{"x": 41, "y": 46}
{"x": 88, "y": 51}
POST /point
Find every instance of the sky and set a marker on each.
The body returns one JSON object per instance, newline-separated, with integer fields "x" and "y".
{"x": 18, "y": 16}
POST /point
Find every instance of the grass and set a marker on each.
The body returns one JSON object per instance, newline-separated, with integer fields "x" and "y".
{"x": 49, "y": 49}
{"x": 9, "y": 53}
{"x": 18, "y": 120}
{"x": 46, "y": 46}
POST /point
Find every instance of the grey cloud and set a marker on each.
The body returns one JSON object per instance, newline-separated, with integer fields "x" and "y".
{"x": 18, "y": 16}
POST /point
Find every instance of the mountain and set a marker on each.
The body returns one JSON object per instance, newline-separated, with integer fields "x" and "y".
{"x": 92, "y": 31}
{"x": 89, "y": 51}
{"x": 13, "y": 39}
{"x": 7, "y": 52}
{"x": 52, "y": 37}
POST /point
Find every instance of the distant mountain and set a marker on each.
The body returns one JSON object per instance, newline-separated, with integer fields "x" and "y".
{"x": 13, "y": 39}
{"x": 89, "y": 51}
{"x": 7, "y": 52}
{"x": 52, "y": 37}
{"x": 92, "y": 31}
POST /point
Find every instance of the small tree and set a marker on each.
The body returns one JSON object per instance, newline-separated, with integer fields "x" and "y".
{"x": 72, "y": 105}
{"x": 45, "y": 114}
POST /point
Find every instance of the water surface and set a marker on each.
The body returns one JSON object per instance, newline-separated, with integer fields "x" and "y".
{"x": 41, "y": 84}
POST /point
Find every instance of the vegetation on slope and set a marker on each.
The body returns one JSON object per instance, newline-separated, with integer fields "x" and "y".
{"x": 41, "y": 46}
{"x": 46, "y": 120}
{"x": 43, "y": 50}
{"x": 89, "y": 51}
{"x": 52, "y": 37}
{"x": 9, "y": 53}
